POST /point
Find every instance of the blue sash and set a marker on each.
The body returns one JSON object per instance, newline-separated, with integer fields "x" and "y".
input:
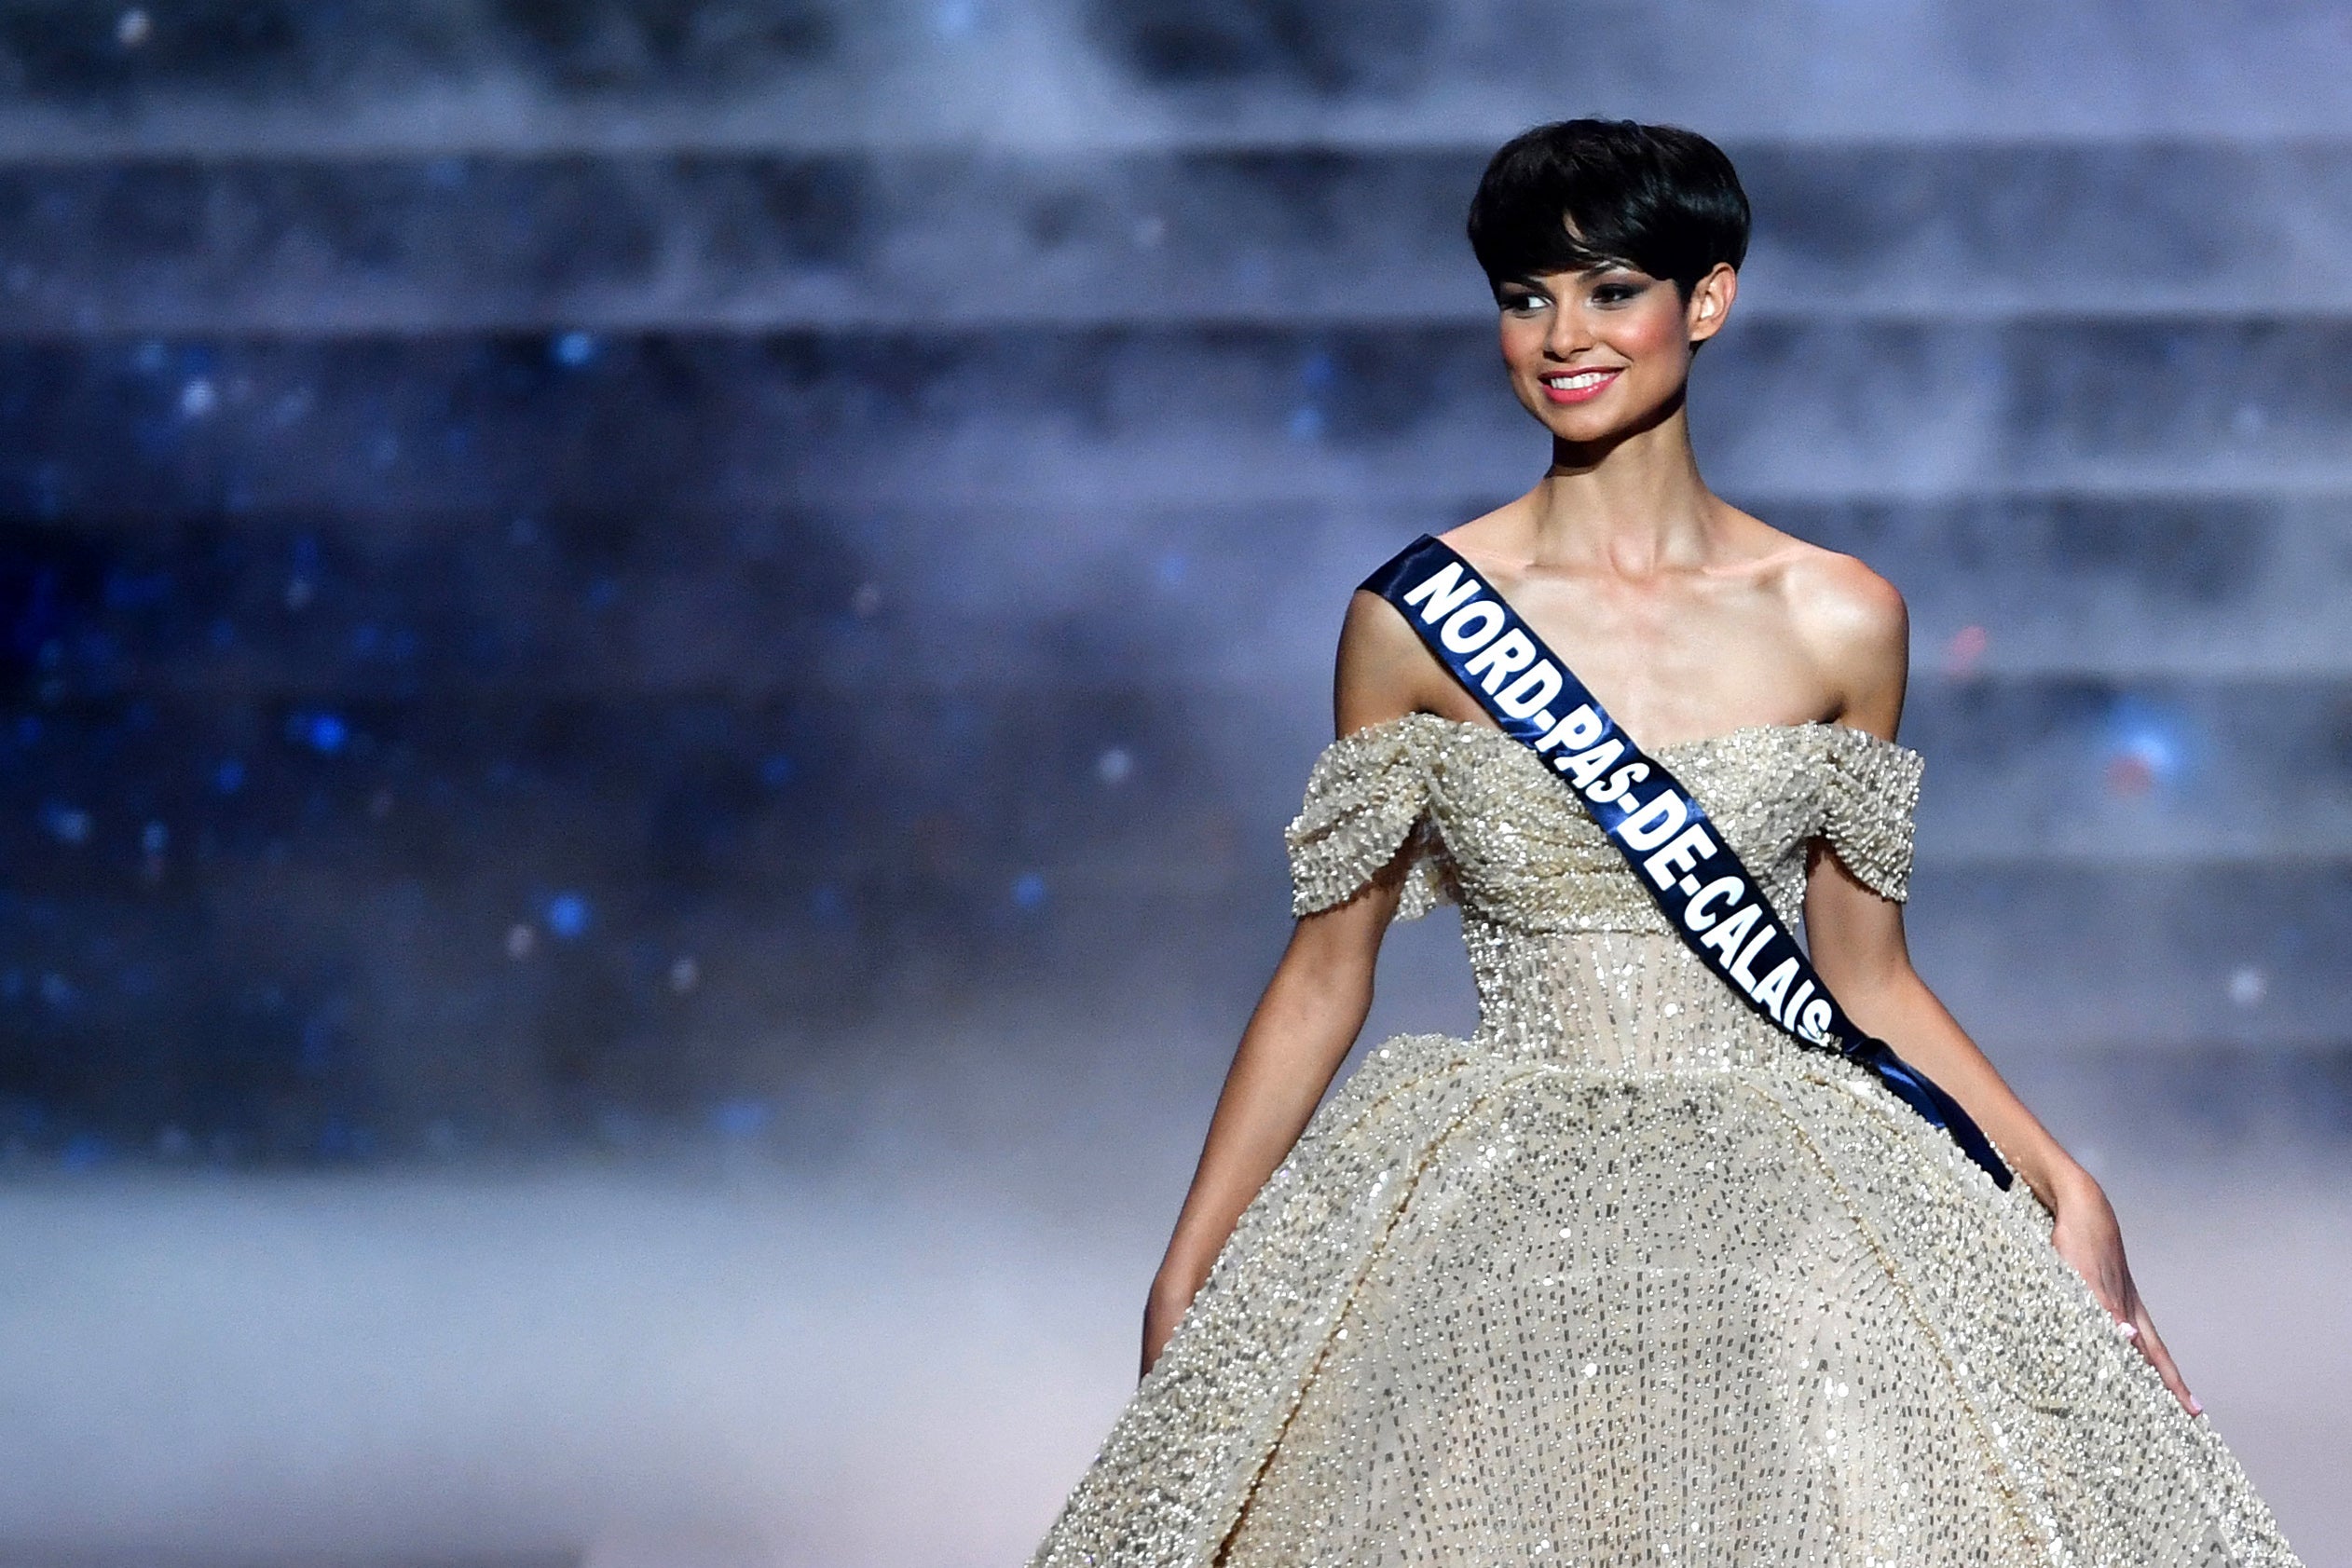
{"x": 1711, "y": 900}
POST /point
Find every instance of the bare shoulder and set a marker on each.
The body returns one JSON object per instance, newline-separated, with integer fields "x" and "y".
{"x": 1840, "y": 605}
{"x": 1854, "y": 626}
{"x": 1382, "y": 671}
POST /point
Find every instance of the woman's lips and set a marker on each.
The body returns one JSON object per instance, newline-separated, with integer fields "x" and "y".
{"x": 1580, "y": 386}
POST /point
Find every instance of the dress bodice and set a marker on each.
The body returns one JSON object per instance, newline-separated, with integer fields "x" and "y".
{"x": 1570, "y": 953}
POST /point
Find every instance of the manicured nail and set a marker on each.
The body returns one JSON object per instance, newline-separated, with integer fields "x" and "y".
{"x": 2196, "y": 1406}
{"x": 2129, "y": 1331}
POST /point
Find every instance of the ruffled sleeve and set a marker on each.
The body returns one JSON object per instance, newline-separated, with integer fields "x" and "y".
{"x": 1368, "y": 798}
{"x": 1872, "y": 790}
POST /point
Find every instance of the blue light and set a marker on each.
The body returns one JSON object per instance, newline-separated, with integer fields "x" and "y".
{"x": 2146, "y": 746}
{"x": 67, "y": 824}
{"x": 777, "y": 771}
{"x": 326, "y": 734}
{"x": 567, "y": 915}
{"x": 574, "y": 349}
{"x": 2149, "y": 737}
{"x": 339, "y": 1139}
{"x": 230, "y": 777}
{"x": 741, "y": 1118}
{"x": 1029, "y": 890}
{"x": 2158, "y": 750}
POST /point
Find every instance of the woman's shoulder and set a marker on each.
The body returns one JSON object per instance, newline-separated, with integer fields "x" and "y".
{"x": 1855, "y": 627}
{"x": 1382, "y": 671}
{"x": 1838, "y": 599}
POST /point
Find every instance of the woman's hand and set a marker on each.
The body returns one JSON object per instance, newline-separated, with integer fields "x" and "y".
{"x": 2088, "y": 1236}
{"x": 1172, "y": 1293}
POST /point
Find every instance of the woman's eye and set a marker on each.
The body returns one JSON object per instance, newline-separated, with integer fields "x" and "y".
{"x": 1614, "y": 294}
{"x": 1521, "y": 305}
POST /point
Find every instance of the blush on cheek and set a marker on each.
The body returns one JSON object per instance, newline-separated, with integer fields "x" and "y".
{"x": 1653, "y": 331}
{"x": 1523, "y": 343}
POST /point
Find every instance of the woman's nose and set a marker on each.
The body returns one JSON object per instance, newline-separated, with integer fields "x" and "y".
{"x": 1568, "y": 334}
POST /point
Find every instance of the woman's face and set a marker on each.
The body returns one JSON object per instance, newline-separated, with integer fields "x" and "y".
{"x": 1594, "y": 354}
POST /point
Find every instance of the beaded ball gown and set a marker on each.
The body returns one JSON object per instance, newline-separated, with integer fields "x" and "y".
{"x": 1628, "y": 1277}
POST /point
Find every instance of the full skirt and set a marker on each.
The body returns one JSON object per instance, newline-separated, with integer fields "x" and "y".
{"x": 1495, "y": 1311}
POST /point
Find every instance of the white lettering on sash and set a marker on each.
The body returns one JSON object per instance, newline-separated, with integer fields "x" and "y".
{"x": 1727, "y": 935}
{"x": 1774, "y": 990}
{"x": 1694, "y": 914}
{"x": 1586, "y": 767}
{"x": 1509, "y": 653}
{"x": 1619, "y": 783}
{"x": 1513, "y": 672}
{"x": 1579, "y": 730}
{"x": 1459, "y": 634}
{"x": 1530, "y": 691}
{"x": 1689, "y": 849}
{"x": 1655, "y": 823}
{"x": 1741, "y": 970}
{"x": 1443, "y": 590}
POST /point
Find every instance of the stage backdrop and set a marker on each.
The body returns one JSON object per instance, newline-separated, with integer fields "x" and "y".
{"x": 657, "y": 652}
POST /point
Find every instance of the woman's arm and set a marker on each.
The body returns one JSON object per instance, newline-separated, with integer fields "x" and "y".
{"x": 1302, "y": 1026}
{"x": 1313, "y": 1006}
{"x": 1858, "y": 945}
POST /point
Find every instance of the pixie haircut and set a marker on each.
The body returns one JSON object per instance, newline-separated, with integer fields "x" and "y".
{"x": 1576, "y": 195}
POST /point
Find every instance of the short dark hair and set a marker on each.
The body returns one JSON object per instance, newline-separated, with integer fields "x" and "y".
{"x": 1578, "y": 194}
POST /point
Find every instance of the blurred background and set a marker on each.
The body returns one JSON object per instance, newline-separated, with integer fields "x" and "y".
{"x": 657, "y": 649}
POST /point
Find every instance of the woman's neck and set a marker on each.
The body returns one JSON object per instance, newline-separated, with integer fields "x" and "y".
{"x": 1637, "y": 507}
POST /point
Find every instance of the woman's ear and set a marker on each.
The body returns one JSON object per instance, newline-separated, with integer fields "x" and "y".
{"x": 1710, "y": 302}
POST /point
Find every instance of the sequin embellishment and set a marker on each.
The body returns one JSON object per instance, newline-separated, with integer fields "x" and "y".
{"x": 1629, "y": 1277}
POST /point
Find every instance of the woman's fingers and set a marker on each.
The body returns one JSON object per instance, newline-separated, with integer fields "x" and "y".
{"x": 2103, "y": 1269}
{"x": 2151, "y": 1345}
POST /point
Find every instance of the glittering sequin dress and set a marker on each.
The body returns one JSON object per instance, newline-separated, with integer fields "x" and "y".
{"x": 1627, "y": 1278}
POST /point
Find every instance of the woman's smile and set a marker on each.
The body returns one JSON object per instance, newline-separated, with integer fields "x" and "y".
{"x": 1579, "y": 386}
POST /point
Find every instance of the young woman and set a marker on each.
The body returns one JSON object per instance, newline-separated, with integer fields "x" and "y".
{"x": 1635, "y": 1275}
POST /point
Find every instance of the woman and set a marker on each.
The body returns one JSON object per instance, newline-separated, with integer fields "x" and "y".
{"x": 1635, "y": 1274}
